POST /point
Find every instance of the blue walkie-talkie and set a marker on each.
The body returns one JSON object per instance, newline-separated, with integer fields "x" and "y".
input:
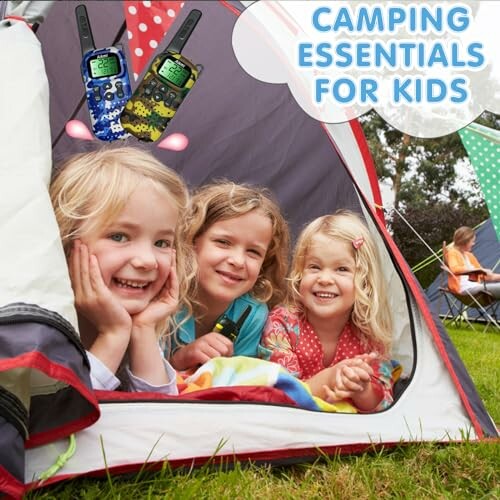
{"x": 107, "y": 85}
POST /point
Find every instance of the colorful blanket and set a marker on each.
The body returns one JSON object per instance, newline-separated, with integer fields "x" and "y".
{"x": 243, "y": 371}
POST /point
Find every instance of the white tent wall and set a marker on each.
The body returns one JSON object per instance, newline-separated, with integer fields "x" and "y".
{"x": 171, "y": 430}
{"x": 44, "y": 374}
{"x": 24, "y": 179}
{"x": 430, "y": 409}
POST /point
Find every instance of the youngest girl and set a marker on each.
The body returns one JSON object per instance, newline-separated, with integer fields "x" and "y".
{"x": 335, "y": 332}
{"x": 118, "y": 212}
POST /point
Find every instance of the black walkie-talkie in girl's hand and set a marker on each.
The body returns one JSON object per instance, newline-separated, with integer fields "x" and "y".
{"x": 227, "y": 327}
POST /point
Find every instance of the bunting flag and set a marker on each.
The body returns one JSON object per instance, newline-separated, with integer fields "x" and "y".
{"x": 483, "y": 147}
{"x": 147, "y": 24}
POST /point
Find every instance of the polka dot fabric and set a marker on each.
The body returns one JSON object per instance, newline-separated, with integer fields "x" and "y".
{"x": 147, "y": 24}
{"x": 306, "y": 344}
{"x": 290, "y": 341}
{"x": 483, "y": 147}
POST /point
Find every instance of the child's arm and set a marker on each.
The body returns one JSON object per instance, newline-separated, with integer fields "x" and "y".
{"x": 203, "y": 349}
{"x": 280, "y": 338}
{"x": 145, "y": 357}
{"x": 96, "y": 303}
{"x": 365, "y": 379}
{"x": 340, "y": 381}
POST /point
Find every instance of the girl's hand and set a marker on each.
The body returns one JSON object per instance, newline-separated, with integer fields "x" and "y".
{"x": 367, "y": 357}
{"x": 97, "y": 304}
{"x": 203, "y": 349}
{"x": 164, "y": 305}
{"x": 333, "y": 395}
{"x": 93, "y": 298}
{"x": 353, "y": 378}
{"x": 348, "y": 378}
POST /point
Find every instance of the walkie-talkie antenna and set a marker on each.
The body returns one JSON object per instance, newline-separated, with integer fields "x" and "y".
{"x": 82, "y": 20}
{"x": 184, "y": 32}
{"x": 243, "y": 317}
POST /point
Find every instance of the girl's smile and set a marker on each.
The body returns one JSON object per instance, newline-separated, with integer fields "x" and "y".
{"x": 230, "y": 254}
{"x": 327, "y": 285}
{"x": 135, "y": 251}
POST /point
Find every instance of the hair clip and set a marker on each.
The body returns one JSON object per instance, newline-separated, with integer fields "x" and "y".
{"x": 358, "y": 242}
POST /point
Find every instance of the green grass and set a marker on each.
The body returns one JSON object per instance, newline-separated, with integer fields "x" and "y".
{"x": 458, "y": 471}
{"x": 480, "y": 353}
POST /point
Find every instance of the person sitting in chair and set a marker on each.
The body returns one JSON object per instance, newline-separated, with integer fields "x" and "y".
{"x": 461, "y": 261}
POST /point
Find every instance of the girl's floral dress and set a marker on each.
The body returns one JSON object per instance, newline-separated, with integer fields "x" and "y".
{"x": 290, "y": 341}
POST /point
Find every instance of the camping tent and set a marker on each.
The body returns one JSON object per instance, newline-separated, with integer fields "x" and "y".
{"x": 248, "y": 131}
{"x": 487, "y": 251}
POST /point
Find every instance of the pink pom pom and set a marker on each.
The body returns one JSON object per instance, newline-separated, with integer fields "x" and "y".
{"x": 78, "y": 130}
{"x": 174, "y": 142}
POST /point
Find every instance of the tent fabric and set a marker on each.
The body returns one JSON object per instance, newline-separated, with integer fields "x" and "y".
{"x": 487, "y": 251}
{"x": 238, "y": 128}
{"x": 31, "y": 12}
{"x": 44, "y": 373}
{"x": 247, "y": 131}
{"x": 184, "y": 430}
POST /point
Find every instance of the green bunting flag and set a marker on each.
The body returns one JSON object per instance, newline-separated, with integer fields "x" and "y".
{"x": 483, "y": 147}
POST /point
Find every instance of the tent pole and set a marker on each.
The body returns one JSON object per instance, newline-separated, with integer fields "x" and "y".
{"x": 3, "y": 9}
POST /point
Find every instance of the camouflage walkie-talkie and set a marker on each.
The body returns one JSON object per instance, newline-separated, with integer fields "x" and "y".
{"x": 166, "y": 83}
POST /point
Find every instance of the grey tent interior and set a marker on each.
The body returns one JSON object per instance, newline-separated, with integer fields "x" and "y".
{"x": 238, "y": 128}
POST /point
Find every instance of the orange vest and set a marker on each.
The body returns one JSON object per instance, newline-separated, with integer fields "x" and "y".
{"x": 456, "y": 263}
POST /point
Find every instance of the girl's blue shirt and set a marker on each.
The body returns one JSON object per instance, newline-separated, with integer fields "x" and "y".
{"x": 248, "y": 339}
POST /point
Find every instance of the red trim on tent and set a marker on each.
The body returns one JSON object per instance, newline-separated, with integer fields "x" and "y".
{"x": 275, "y": 456}
{"x": 378, "y": 216}
{"x": 251, "y": 394}
{"x": 427, "y": 316}
{"x": 230, "y": 7}
{"x": 341, "y": 156}
{"x": 10, "y": 485}
{"x": 271, "y": 456}
{"x": 359, "y": 135}
{"x": 38, "y": 361}
{"x": 410, "y": 280}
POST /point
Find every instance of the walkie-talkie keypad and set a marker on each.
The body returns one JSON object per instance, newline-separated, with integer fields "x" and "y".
{"x": 119, "y": 89}
{"x": 157, "y": 98}
{"x": 97, "y": 93}
{"x": 160, "y": 92}
{"x": 170, "y": 99}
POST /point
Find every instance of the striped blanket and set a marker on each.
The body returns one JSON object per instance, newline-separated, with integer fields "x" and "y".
{"x": 243, "y": 371}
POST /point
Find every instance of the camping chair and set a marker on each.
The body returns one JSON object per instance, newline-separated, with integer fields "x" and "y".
{"x": 483, "y": 302}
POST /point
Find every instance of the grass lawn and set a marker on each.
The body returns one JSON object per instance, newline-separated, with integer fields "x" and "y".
{"x": 458, "y": 471}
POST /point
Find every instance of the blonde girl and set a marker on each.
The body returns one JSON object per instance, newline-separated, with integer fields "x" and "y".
{"x": 335, "y": 330}
{"x": 241, "y": 243}
{"x": 118, "y": 212}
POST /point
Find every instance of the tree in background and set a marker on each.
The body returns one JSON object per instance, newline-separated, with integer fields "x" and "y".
{"x": 435, "y": 223}
{"x": 424, "y": 184}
